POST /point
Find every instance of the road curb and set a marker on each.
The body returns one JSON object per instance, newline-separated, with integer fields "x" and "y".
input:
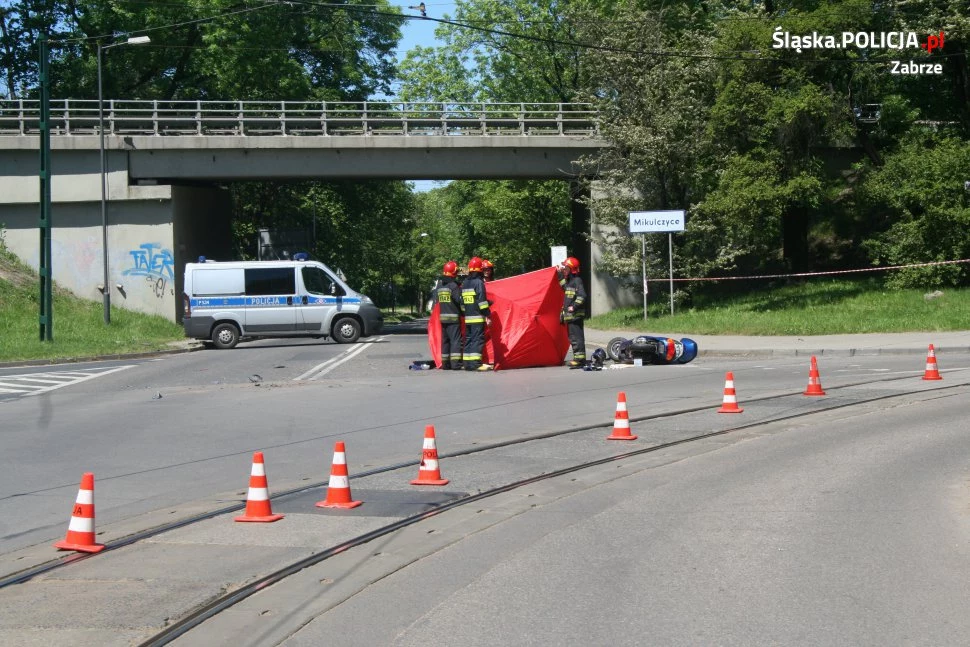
{"x": 100, "y": 358}
{"x": 831, "y": 352}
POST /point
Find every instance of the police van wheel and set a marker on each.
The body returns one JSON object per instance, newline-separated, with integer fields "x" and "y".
{"x": 346, "y": 331}
{"x": 225, "y": 336}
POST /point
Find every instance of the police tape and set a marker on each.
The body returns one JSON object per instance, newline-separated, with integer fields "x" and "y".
{"x": 801, "y": 274}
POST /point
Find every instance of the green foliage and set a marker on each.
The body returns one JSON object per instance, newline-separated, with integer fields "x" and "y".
{"x": 920, "y": 200}
{"x": 654, "y": 110}
{"x": 261, "y": 51}
{"x": 753, "y": 142}
{"x": 518, "y": 51}
{"x": 511, "y": 223}
{"x": 360, "y": 228}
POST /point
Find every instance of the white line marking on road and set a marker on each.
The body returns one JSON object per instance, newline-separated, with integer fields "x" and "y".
{"x": 43, "y": 381}
{"x": 325, "y": 367}
{"x": 86, "y": 378}
{"x": 36, "y": 383}
{"x": 20, "y": 388}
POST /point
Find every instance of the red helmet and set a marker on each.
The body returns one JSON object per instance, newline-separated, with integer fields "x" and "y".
{"x": 475, "y": 264}
{"x": 450, "y": 269}
{"x": 487, "y": 264}
{"x": 572, "y": 263}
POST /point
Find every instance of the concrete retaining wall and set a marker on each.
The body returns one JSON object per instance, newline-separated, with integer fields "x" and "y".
{"x": 147, "y": 226}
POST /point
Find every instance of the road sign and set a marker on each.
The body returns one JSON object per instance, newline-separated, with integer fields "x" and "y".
{"x": 644, "y": 222}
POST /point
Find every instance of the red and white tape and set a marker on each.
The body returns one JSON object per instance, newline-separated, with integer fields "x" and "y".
{"x": 830, "y": 273}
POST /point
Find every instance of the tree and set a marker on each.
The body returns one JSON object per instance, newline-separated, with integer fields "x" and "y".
{"x": 360, "y": 228}
{"x": 654, "y": 91}
{"x": 223, "y": 49}
{"x": 512, "y": 223}
{"x": 518, "y": 50}
{"x": 207, "y": 49}
{"x": 943, "y": 97}
{"x": 759, "y": 160}
{"x": 920, "y": 209}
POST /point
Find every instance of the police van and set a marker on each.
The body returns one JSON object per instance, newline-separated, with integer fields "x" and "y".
{"x": 225, "y": 301}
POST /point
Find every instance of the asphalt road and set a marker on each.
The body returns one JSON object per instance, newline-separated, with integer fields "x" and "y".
{"x": 161, "y": 458}
{"x": 851, "y": 528}
{"x": 183, "y": 428}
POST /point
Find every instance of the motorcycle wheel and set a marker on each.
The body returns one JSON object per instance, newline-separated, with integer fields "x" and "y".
{"x": 613, "y": 349}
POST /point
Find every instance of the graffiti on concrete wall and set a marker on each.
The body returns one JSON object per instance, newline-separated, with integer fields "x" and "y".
{"x": 154, "y": 263}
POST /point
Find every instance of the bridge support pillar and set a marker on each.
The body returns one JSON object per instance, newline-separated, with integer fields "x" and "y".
{"x": 580, "y": 244}
{"x": 606, "y": 292}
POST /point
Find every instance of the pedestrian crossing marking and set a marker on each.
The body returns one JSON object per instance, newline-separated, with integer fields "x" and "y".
{"x": 36, "y": 383}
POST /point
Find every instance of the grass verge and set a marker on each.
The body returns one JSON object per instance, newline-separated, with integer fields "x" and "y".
{"x": 820, "y": 308}
{"x": 78, "y": 324}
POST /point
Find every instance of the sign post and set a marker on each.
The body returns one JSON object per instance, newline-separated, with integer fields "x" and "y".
{"x": 670, "y": 255}
{"x": 643, "y": 257}
{"x": 643, "y": 222}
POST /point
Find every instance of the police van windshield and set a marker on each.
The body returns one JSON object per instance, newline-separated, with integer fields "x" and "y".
{"x": 317, "y": 281}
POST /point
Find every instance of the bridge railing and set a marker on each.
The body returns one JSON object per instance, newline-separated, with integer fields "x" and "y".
{"x": 299, "y": 118}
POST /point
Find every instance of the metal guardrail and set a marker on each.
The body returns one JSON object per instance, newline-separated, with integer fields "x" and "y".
{"x": 21, "y": 117}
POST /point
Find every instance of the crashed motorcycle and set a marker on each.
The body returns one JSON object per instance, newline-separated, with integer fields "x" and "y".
{"x": 651, "y": 350}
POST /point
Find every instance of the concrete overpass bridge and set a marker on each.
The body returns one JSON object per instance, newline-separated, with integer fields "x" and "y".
{"x": 166, "y": 160}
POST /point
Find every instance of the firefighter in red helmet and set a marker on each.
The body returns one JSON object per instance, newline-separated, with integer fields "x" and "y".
{"x": 488, "y": 270}
{"x": 477, "y": 316}
{"x": 573, "y": 309}
{"x": 448, "y": 297}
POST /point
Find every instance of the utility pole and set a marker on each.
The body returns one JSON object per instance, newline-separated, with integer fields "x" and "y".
{"x": 46, "y": 287}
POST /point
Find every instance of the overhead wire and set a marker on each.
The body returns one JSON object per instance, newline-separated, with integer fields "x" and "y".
{"x": 598, "y": 47}
{"x": 147, "y": 30}
{"x": 739, "y": 55}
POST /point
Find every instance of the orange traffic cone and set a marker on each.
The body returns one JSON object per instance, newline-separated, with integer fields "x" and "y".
{"x": 730, "y": 403}
{"x": 428, "y": 472}
{"x": 814, "y": 382}
{"x": 932, "y": 372}
{"x": 621, "y": 421}
{"x": 258, "y": 507}
{"x": 338, "y": 492}
{"x": 80, "y": 532}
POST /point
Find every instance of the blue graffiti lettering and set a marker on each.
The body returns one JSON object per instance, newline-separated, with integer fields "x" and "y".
{"x": 153, "y": 261}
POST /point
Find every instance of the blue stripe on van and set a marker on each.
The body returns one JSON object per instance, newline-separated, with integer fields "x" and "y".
{"x": 266, "y": 302}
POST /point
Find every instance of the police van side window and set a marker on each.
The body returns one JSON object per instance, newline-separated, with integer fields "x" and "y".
{"x": 215, "y": 282}
{"x": 316, "y": 281}
{"x": 270, "y": 280}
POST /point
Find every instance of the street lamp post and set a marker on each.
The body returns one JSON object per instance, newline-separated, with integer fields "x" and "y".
{"x": 106, "y": 287}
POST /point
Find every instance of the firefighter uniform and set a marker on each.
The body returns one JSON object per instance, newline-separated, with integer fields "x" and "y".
{"x": 476, "y": 310}
{"x": 448, "y": 297}
{"x": 573, "y": 312}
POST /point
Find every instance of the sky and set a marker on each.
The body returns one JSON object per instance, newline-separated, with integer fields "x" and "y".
{"x": 421, "y": 32}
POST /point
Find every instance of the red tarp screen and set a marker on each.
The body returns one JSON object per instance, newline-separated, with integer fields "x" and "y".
{"x": 525, "y": 328}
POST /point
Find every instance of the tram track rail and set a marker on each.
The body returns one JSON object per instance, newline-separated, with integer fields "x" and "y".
{"x": 198, "y": 616}
{"x": 218, "y": 605}
{"x": 128, "y": 540}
